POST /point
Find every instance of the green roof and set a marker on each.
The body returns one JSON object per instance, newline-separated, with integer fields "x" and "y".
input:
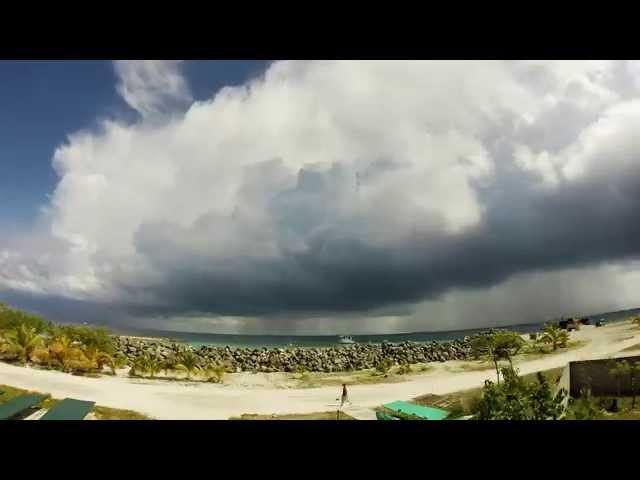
{"x": 384, "y": 416}
{"x": 19, "y": 405}
{"x": 427, "y": 413}
{"x": 69, "y": 409}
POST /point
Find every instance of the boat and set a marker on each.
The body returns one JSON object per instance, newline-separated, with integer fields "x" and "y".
{"x": 346, "y": 339}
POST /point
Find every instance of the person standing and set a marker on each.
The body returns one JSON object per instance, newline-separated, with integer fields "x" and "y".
{"x": 345, "y": 395}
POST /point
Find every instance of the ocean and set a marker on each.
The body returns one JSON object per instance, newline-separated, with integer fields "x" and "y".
{"x": 274, "y": 341}
{"x": 259, "y": 341}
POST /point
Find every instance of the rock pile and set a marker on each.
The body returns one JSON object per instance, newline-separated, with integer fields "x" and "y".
{"x": 326, "y": 359}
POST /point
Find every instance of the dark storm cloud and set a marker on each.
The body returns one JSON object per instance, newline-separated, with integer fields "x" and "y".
{"x": 524, "y": 230}
{"x": 328, "y": 190}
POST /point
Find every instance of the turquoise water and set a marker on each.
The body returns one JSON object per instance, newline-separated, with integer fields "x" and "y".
{"x": 259, "y": 341}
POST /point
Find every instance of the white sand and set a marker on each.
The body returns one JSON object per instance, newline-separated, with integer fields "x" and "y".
{"x": 189, "y": 400}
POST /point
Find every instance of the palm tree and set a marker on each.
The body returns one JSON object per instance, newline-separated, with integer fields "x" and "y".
{"x": 169, "y": 363}
{"x": 188, "y": 362}
{"x": 554, "y": 335}
{"x": 484, "y": 346}
{"x": 497, "y": 346}
{"x": 99, "y": 359}
{"x": 61, "y": 350}
{"x": 153, "y": 365}
{"x": 119, "y": 361}
{"x": 139, "y": 366}
{"x": 24, "y": 340}
{"x": 146, "y": 364}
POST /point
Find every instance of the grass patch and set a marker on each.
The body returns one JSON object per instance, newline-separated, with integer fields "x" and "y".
{"x": 101, "y": 413}
{"x": 532, "y": 352}
{"x": 106, "y": 413}
{"x": 471, "y": 366}
{"x": 299, "y": 416}
{"x": 463, "y": 402}
{"x": 625, "y": 412}
{"x": 360, "y": 377}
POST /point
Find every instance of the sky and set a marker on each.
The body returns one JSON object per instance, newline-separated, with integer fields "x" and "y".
{"x": 319, "y": 197}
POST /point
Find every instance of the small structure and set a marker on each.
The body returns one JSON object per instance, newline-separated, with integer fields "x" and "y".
{"x": 573, "y": 323}
{"x": 69, "y": 409}
{"x": 411, "y": 409}
{"x": 20, "y": 406}
{"x": 595, "y": 376}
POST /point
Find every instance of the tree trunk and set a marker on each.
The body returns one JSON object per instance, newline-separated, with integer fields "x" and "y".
{"x": 497, "y": 370}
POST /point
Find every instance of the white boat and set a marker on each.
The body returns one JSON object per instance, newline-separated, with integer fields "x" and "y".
{"x": 346, "y": 339}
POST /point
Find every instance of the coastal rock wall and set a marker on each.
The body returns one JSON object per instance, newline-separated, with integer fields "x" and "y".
{"x": 326, "y": 359}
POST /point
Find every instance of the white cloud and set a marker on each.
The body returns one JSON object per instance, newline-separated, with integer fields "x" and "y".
{"x": 152, "y": 86}
{"x": 382, "y": 153}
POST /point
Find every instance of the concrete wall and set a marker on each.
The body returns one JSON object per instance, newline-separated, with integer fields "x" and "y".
{"x": 594, "y": 374}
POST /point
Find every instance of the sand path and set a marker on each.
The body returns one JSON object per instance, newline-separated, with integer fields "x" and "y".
{"x": 183, "y": 400}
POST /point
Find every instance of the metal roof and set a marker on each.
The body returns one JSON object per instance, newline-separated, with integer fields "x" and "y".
{"x": 427, "y": 413}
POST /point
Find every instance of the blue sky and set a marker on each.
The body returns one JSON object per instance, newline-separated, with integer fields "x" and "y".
{"x": 330, "y": 196}
{"x": 41, "y": 102}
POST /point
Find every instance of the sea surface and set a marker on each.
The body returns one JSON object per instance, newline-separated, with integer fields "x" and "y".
{"x": 259, "y": 341}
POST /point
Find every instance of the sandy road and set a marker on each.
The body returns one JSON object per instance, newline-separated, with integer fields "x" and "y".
{"x": 183, "y": 400}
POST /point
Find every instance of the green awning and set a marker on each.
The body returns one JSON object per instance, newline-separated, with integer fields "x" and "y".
{"x": 426, "y": 413}
{"x": 69, "y": 409}
{"x": 19, "y": 405}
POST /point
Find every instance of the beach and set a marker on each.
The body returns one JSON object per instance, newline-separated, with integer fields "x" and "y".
{"x": 268, "y": 393}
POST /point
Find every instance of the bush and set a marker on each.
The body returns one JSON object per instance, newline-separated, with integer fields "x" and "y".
{"x": 11, "y": 319}
{"x": 497, "y": 346}
{"x": 41, "y": 356}
{"x": 516, "y": 399}
{"x": 90, "y": 337}
{"x": 384, "y": 365}
{"x": 404, "y": 369}
{"x": 215, "y": 373}
{"x": 583, "y": 409}
{"x": 8, "y": 353}
{"x": 555, "y": 336}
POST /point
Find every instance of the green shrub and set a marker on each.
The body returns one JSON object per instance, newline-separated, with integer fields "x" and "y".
{"x": 404, "y": 369}
{"x": 517, "y": 399}
{"x": 583, "y": 408}
{"x": 215, "y": 372}
{"x": 553, "y": 335}
{"x": 383, "y": 366}
{"x": 91, "y": 337}
{"x": 12, "y": 319}
{"x": 497, "y": 346}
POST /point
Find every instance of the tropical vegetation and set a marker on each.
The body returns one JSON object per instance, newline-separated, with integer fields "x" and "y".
{"x": 28, "y": 339}
{"x": 497, "y": 346}
{"x": 519, "y": 399}
{"x": 555, "y": 336}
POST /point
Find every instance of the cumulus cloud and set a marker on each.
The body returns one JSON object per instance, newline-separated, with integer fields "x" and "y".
{"x": 152, "y": 87}
{"x": 338, "y": 191}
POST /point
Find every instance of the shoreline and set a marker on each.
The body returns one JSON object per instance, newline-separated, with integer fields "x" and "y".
{"x": 224, "y": 340}
{"x": 267, "y": 393}
{"x": 320, "y": 341}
